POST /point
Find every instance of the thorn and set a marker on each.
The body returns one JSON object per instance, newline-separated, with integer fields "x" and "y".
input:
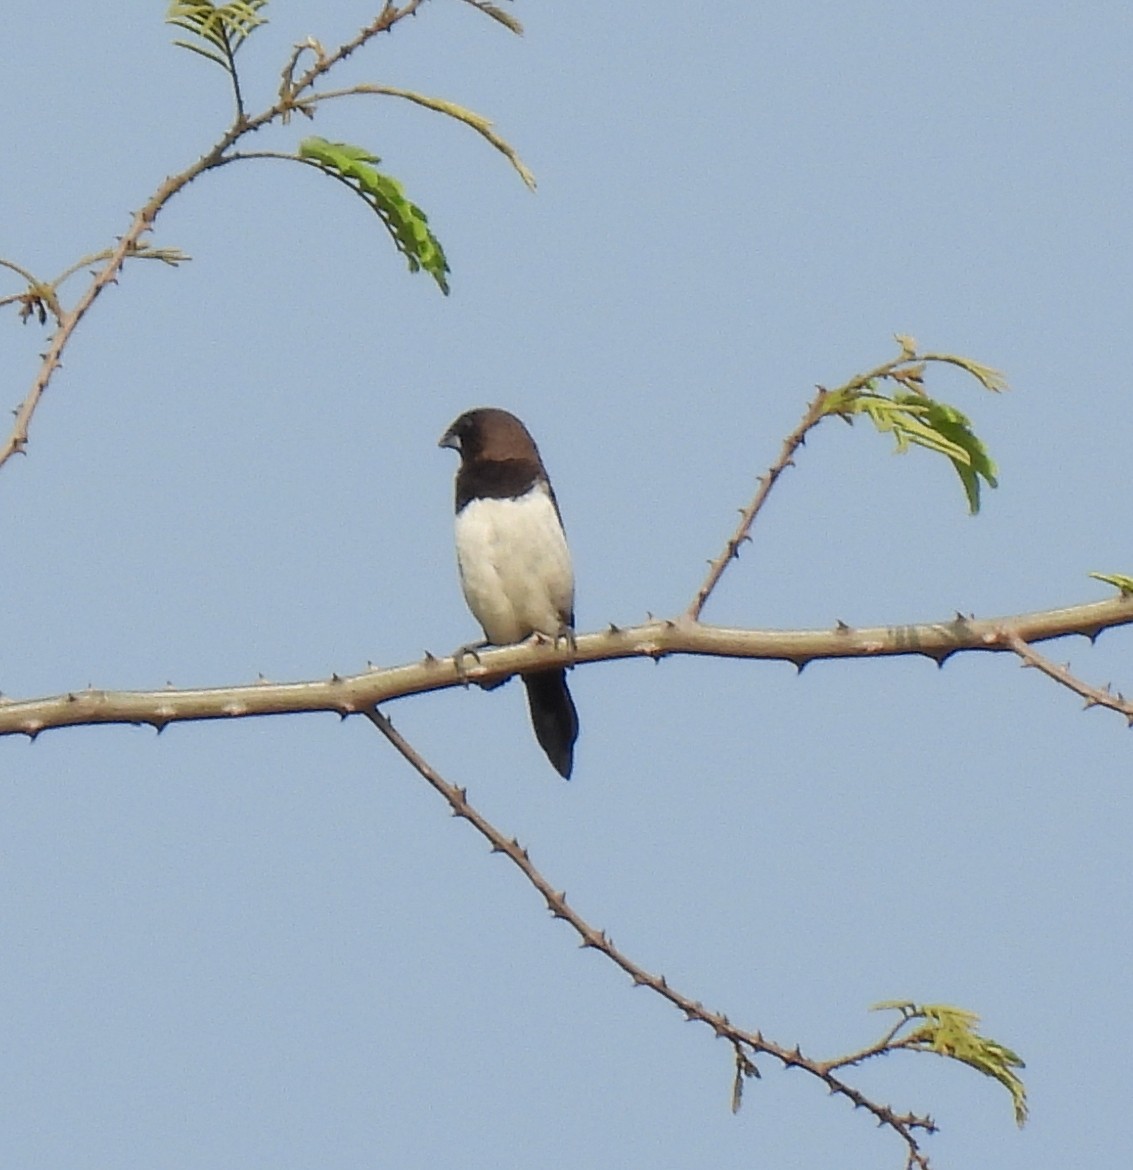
{"x": 430, "y": 656}
{"x": 841, "y": 627}
{"x": 800, "y": 664}
{"x": 960, "y": 620}
{"x": 614, "y": 629}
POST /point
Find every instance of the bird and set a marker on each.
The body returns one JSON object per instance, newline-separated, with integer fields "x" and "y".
{"x": 514, "y": 562}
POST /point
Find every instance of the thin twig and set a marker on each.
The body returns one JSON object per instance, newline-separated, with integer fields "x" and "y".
{"x": 1094, "y": 696}
{"x": 383, "y": 22}
{"x": 811, "y": 418}
{"x": 482, "y": 126}
{"x": 905, "y": 1125}
{"x": 19, "y": 271}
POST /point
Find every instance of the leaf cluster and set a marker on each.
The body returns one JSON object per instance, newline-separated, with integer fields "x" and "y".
{"x": 953, "y": 1032}
{"x": 914, "y": 418}
{"x": 406, "y": 223}
{"x": 218, "y": 29}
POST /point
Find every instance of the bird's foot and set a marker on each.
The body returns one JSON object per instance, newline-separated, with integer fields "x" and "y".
{"x": 564, "y": 633}
{"x": 472, "y": 650}
{"x": 469, "y": 650}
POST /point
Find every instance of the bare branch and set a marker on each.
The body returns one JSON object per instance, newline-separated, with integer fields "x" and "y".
{"x": 483, "y": 126}
{"x": 813, "y": 416}
{"x": 1094, "y": 696}
{"x": 907, "y": 1125}
{"x": 383, "y": 22}
{"x": 356, "y": 694}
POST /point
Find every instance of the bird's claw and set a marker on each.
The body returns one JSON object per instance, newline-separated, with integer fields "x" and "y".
{"x": 471, "y": 650}
{"x": 565, "y": 634}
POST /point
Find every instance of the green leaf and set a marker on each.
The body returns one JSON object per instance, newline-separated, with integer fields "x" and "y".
{"x": 406, "y": 223}
{"x": 952, "y": 1032}
{"x": 917, "y": 420}
{"x": 222, "y": 28}
{"x": 1125, "y": 584}
{"x": 969, "y": 457}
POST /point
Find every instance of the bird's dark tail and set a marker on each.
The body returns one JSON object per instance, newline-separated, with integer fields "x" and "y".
{"x": 553, "y": 716}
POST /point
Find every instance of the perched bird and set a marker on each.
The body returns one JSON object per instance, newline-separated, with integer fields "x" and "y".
{"x": 514, "y": 562}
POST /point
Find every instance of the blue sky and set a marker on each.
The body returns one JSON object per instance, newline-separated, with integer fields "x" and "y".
{"x": 266, "y": 944}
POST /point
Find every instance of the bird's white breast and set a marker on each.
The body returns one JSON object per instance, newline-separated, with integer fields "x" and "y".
{"x": 515, "y": 565}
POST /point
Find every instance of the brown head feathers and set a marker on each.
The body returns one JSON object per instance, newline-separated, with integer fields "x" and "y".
{"x": 491, "y": 434}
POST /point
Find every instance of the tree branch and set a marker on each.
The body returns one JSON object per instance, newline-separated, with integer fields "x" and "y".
{"x": 907, "y": 371}
{"x": 906, "y": 1125}
{"x": 656, "y": 640}
{"x": 813, "y": 416}
{"x": 1094, "y": 696}
{"x": 143, "y": 220}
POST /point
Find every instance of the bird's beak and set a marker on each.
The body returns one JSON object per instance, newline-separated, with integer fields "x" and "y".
{"x": 450, "y": 439}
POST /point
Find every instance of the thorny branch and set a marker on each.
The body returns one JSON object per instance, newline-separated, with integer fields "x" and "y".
{"x": 813, "y": 416}
{"x": 130, "y": 243}
{"x": 1094, "y": 696}
{"x": 746, "y": 1044}
{"x": 906, "y": 369}
{"x": 659, "y": 639}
